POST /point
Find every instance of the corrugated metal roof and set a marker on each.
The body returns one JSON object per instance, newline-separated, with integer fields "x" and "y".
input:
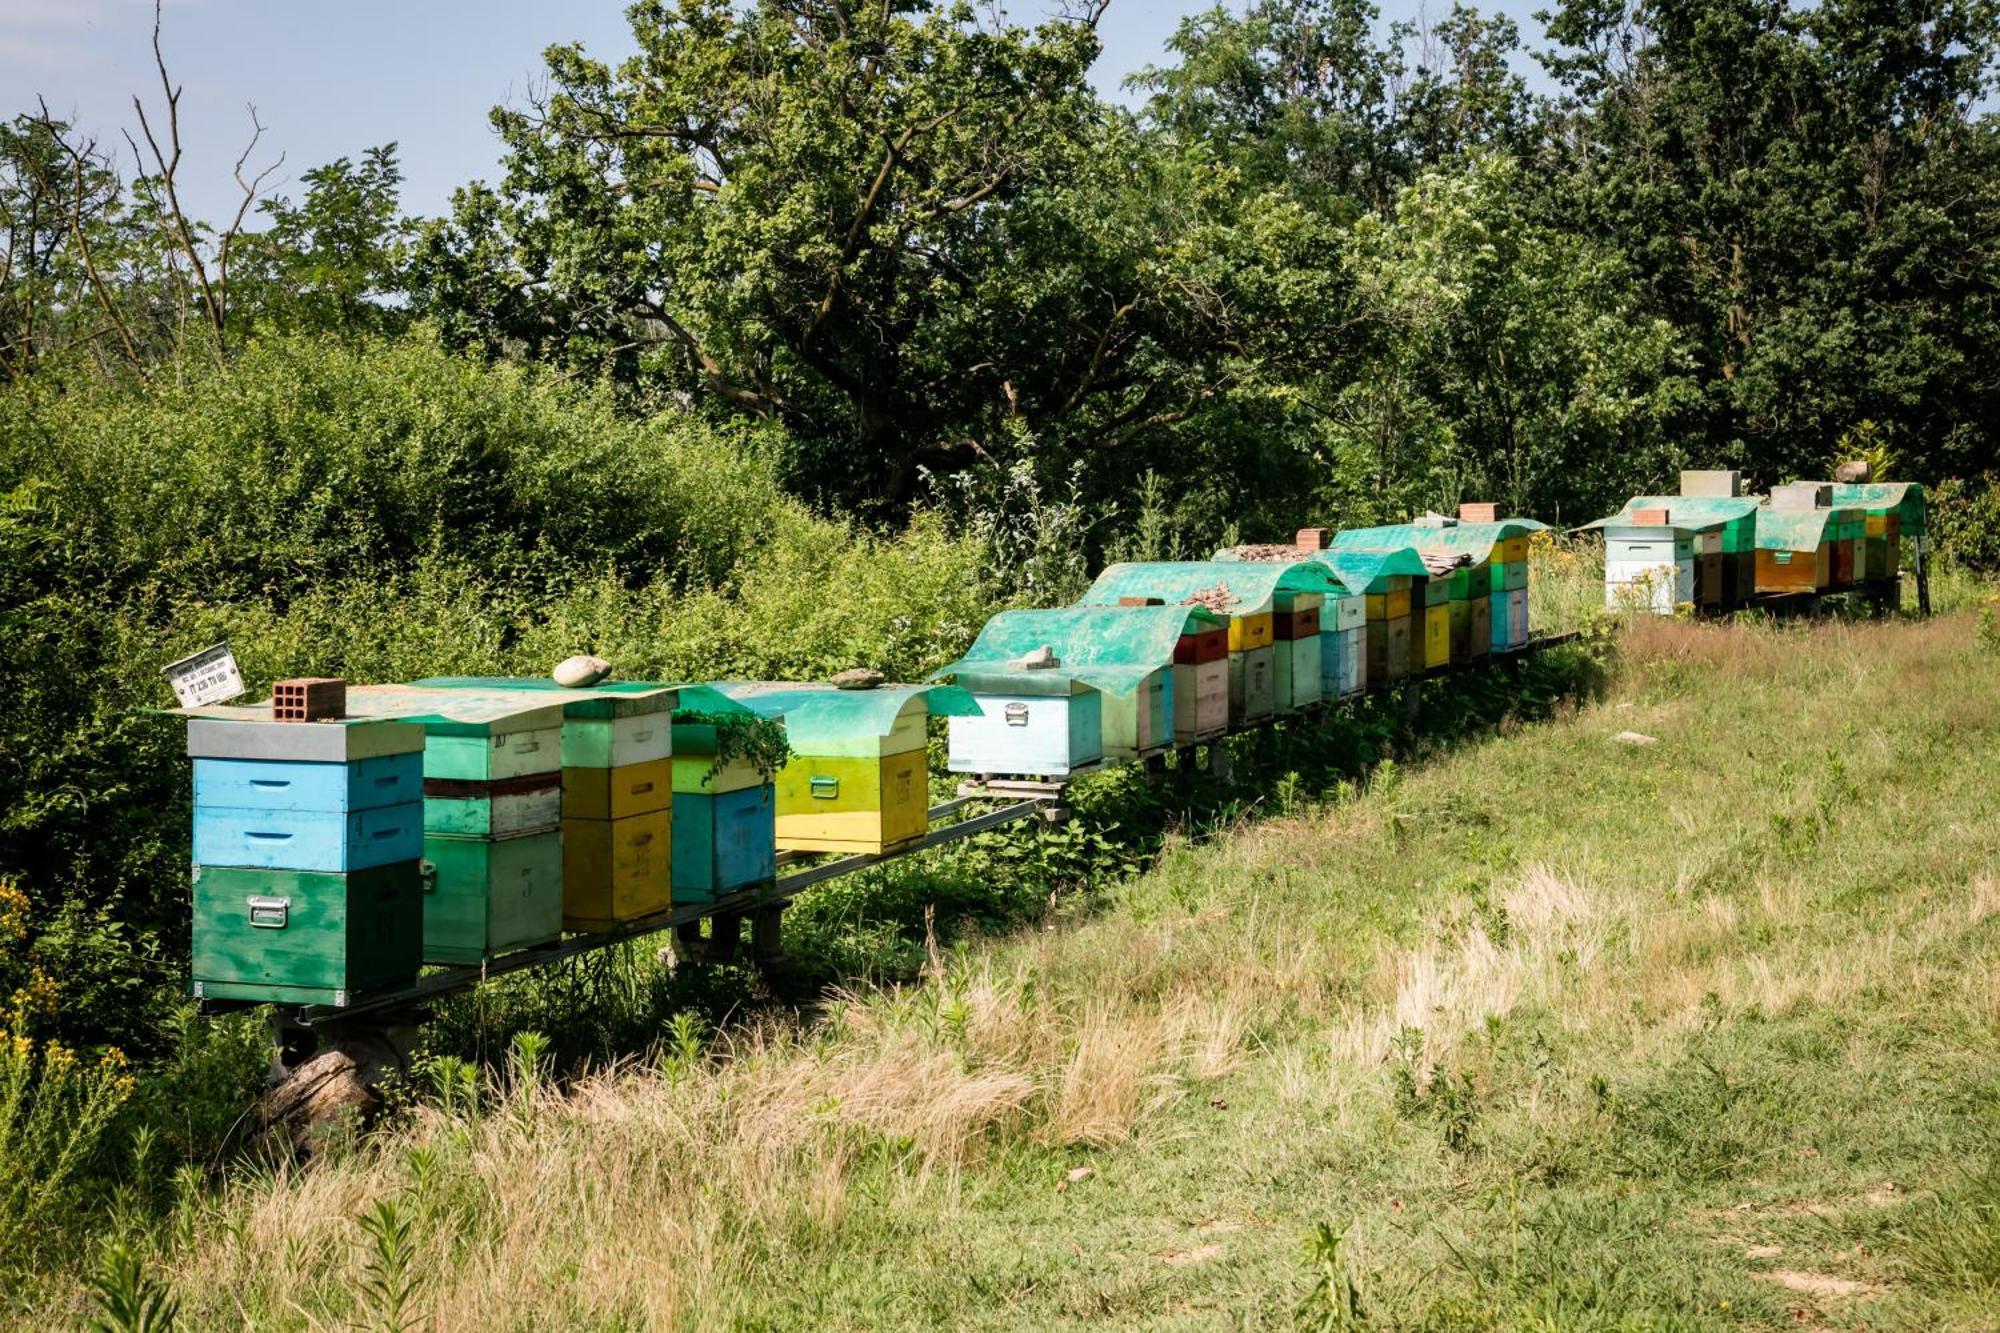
{"x": 1475, "y": 540}
{"x": 1110, "y": 648}
{"x": 1685, "y": 513}
{"x": 1249, "y": 588}
{"x": 1905, "y": 497}
{"x": 812, "y": 711}
{"x": 1361, "y": 571}
{"x": 612, "y": 698}
{"x": 1796, "y": 529}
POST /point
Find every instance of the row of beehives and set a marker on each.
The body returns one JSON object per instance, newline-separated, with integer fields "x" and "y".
{"x": 456, "y": 820}
{"x": 1177, "y": 653}
{"x": 1714, "y": 548}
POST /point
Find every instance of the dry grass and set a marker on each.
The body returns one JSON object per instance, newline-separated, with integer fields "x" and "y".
{"x": 1553, "y": 913}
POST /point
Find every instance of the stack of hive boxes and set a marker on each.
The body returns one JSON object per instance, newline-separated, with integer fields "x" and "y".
{"x": 1391, "y": 633}
{"x": 1725, "y": 556}
{"x": 724, "y": 810}
{"x": 1296, "y": 645}
{"x": 1648, "y": 563}
{"x": 1380, "y": 566}
{"x": 307, "y": 843}
{"x": 613, "y": 795}
{"x": 1343, "y": 646}
{"x": 1470, "y": 590}
{"x": 1893, "y": 511}
{"x": 1851, "y": 529}
{"x": 1508, "y": 582}
{"x": 1434, "y": 591}
{"x": 1253, "y": 666}
{"x": 617, "y": 805}
{"x": 856, "y": 781}
{"x": 1883, "y": 546}
{"x": 492, "y": 824}
{"x": 1201, "y": 680}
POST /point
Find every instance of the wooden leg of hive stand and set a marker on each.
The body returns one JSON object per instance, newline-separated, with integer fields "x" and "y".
{"x": 1412, "y": 701}
{"x": 689, "y": 946}
{"x": 767, "y": 944}
{"x": 1218, "y": 761}
{"x": 725, "y": 932}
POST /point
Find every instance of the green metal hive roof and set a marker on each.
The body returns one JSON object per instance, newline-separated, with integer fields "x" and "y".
{"x": 1360, "y": 570}
{"x": 612, "y": 698}
{"x": 1687, "y": 513}
{"x": 816, "y": 712}
{"x": 1795, "y": 529}
{"x": 1879, "y": 497}
{"x": 1476, "y": 540}
{"x": 1109, "y": 648}
{"x": 1254, "y": 586}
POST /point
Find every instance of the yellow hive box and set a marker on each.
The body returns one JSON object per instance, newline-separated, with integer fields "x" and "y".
{"x": 1388, "y": 605}
{"x": 1511, "y": 551}
{"x": 1437, "y": 635}
{"x": 852, "y": 803}
{"x": 1249, "y": 632}
{"x": 617, "y": 793}
{"x": 1878, "y": 525}
{"x": 692, "y": 773}
{"x": 616, "y": 870}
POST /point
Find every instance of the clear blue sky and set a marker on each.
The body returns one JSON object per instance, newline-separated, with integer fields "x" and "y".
{"x": 332, "y": 79}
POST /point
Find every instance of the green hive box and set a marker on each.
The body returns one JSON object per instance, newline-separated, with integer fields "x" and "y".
{"x": 485, "y": 898}
{"x": 305, "y": 937}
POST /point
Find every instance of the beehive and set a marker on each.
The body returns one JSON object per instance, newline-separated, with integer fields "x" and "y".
{"x": 1042, "y": 724}
{"x": 1343, "y": 646}
{"x": 856, "y": 782}
{"x": 1710, "y": 535}
{"x": 724, "y": 807}
{"x": 492, "y": 773}
{"x": 307, "y": 883}
{"x": 1796, "y": 549}
{"x": 1297, "y": 650}
{"x": 613, "y": 795}
{"x": 1480, "y": 560}
{"x": 1893, "y": 511}
{"x": 1201, "y": 681}
{"x": 1130, "y": 655}
{"x": 1246, "y": 586}
{"x": 1383, "y": 579}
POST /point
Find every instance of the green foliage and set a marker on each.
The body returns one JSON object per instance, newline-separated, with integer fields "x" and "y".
{"x": 1964, "y": 523}
{"x": 55, "y": 1109}
{"x": 129, "y": 1299}
{"x": 391, "y": 1283}
{"x": 1333, "y": 1304}
{"x": 758, "y": 741}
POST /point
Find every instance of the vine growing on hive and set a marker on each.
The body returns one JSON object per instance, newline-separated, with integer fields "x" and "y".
{"x": 758, "y": 741}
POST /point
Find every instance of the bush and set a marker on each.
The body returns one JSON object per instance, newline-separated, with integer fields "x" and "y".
{"x": 1965, "y": 524}
{"x": 380, "y": 511}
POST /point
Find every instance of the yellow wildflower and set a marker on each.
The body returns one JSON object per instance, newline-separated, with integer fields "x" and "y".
{"x": 57, "y": 1058}
{"x": 13, "y": 911}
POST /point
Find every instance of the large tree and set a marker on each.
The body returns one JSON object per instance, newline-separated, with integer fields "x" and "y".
{"x": 913, "y": 236}
{"x": 1812, "y": 193}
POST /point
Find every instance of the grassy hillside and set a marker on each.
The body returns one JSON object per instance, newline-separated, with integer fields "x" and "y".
{"x": 1555, "y": 1030}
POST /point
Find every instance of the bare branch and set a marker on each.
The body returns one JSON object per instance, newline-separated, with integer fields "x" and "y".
{"x": 168, "y": 166}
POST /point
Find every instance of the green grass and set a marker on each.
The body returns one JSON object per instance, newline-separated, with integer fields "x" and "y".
{"x": 1546, "y": 1030}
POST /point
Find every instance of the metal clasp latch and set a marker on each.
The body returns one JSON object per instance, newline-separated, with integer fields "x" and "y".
{"x": 825, "y": 789}
{"x": 1017, "y": 715}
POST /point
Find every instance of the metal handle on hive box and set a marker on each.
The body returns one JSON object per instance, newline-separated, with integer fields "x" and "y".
{"x": 269, "y": 913}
